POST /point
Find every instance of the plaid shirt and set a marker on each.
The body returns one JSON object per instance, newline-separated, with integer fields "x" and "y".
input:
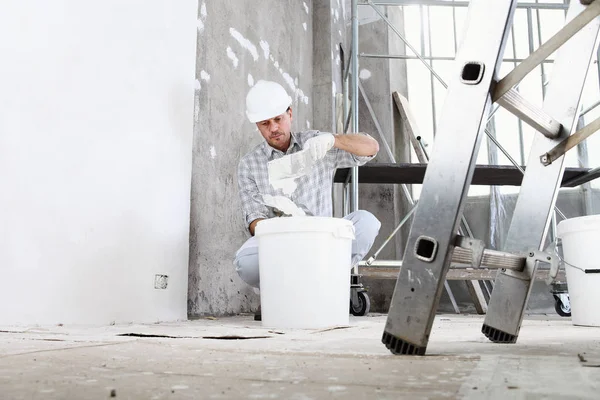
{"x": 314, "y": 191}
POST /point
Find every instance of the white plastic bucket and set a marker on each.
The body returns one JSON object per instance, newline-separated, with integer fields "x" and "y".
{"x": 580, "y": 241}
{"x": 305, "y": 265}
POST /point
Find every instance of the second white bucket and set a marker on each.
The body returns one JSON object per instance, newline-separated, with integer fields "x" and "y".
{"x": 580, "y": 238}
{"x": 305, "y": 267}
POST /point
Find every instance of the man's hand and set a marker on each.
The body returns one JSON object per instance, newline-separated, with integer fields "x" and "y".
{"x": 318, "y": 146}
{"x": 253, "y": 225}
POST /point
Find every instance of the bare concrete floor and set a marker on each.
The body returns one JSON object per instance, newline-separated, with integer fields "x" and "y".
{"x": 202, "y": 359}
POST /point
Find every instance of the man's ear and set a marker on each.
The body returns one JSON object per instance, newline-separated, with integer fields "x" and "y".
{"x": 289, "y": 110}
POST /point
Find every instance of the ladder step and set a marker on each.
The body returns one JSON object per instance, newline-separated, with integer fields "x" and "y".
{"x": 491, "y": 259}
{"x": 461, "y": 258}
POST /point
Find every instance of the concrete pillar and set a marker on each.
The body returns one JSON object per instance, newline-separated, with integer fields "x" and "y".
{"x": 95, "y": 160}
{"x": 239, "y": 42}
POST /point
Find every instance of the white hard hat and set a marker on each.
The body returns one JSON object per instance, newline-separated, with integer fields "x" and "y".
{"x": 266, "y": 100}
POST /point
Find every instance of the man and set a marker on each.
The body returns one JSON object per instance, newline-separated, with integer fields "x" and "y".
{"x": 269, "y": 106}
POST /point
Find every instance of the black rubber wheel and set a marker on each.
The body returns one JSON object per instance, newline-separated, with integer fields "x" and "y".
{"x": 363, "y": 306}
{"x": 560, "y": 308}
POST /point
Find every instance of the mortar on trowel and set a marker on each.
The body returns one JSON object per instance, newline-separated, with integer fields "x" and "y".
{"x": 283, "y": 173}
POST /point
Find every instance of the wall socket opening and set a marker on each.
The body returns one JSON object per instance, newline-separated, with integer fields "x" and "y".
{"x": 161, "y": 281}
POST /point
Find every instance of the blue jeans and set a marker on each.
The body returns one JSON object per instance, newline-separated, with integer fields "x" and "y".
{"x": 366, "y": 228}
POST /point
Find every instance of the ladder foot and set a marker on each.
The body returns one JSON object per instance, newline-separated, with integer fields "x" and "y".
{"x": 399, "y": 346}
{"x": 498, "y": 336}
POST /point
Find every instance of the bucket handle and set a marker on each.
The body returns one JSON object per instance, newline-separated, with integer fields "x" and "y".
{"x": 557, "y": 243}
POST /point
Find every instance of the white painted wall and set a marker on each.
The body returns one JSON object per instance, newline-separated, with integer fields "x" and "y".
{"x": 96, "y": 119}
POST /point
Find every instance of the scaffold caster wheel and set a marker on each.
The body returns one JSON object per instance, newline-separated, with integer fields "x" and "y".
{"x": 563, "y": 308}
{"x": 362, "y": 306}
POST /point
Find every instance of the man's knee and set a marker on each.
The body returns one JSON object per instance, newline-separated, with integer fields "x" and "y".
{"x": 246, "y": 265}
{"x": 365, "y": 223}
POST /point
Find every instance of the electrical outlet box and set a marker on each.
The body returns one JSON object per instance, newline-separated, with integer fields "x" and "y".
{"x": 161, "y": 281}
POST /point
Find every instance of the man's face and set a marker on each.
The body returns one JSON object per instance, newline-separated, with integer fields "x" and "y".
{"x": 276, "y": 130}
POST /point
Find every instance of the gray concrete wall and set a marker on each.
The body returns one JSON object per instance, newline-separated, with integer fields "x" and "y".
{"x": 239, "y": 42}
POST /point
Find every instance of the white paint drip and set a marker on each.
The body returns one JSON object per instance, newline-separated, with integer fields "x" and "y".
{"x": 200, "y": 26}
{"x": 304, "y": 25}
{"x": 296, "y": 81}
{"x": 284, "y": 205}
{"x": 213, "y": 152}
{"x": 203, "y": 9}
{"x": 205, "y": 76}
{"x": 305, "y": 7}
{"x": 232, "y": 57}
{"x": 250, "y": 80}
{"x": 339, "y": 32}
{"x": 333, "y": 88}
{"x": 337, "y": 15}
{"x": 307, "y": 124}
{"x": 271, "y": 58}
{"x": 248, "y": 45}
{"x": 364, "y": 74}
{"x": 265, "y": 48}
{"x": 276, "y": 64}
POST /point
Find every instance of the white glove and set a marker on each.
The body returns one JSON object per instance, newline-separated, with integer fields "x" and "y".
{"x": 318, "y": 146}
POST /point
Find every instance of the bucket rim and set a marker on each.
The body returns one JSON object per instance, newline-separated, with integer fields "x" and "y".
{"x": 337, "y": 226}
{"x": 578, "y": 224}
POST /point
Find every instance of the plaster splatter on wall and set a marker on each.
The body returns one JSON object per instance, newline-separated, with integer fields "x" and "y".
{"x": 288, "y": 79}
{"x": 304, "y": 25}
{"x": 248, "y": 45}
{"x": 205, "y": 76}
{"x": 340, "y": 32}
{"x": 232, "y": 57}
{"x": 307, "y": 124}
{"x": 213, "y": 152}
{"x": 250, "y": 80}
{"x": 202, "y": 18}
{"x": 197, "y": 87}
{"x": 265, "y": 48}
{"x": 305, "y": 7}
{"x": 364, "y": 74}
{"x": 291, "y": 82}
